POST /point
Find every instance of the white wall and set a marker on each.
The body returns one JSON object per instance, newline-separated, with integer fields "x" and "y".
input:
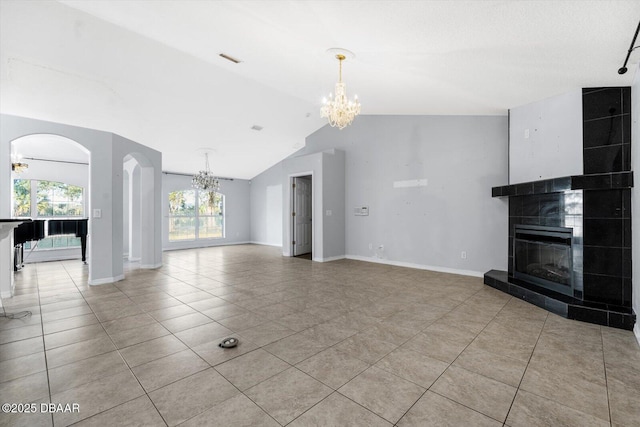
{"x": 237, "y": 212}
{"x": 427, "y": 227}
{"x": 635, "y": 197}
{"x": 266, "y": 207}
{"x": 70, "y": 173}
{"x": 545, "y": 139}
{"x": 333, "y": 200}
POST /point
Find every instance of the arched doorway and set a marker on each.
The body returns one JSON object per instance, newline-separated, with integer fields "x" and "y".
{"x": 141, "y": 230}
{"x": 51, "y": 184}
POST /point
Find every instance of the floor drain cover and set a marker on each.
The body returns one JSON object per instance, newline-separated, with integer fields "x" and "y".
{"x": 228, "y": 343}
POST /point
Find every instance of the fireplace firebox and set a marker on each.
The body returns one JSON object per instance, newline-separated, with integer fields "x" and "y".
{"x": 543, "y": 256}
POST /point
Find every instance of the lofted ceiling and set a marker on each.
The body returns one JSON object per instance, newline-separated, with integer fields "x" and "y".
{"x": 150, "y": 70}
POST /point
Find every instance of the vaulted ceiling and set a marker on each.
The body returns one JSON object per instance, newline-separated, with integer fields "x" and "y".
{"x": 150, "y": 70}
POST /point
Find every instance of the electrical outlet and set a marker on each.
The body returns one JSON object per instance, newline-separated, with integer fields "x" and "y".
{"x": 463, "y": 255}
{"x": 370, "y": 245}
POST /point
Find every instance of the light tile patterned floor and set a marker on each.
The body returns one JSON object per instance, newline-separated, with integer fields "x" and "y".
{"x": 344, "y": 343}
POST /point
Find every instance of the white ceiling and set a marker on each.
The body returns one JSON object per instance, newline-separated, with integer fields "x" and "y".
{"x": 149, "y": 70}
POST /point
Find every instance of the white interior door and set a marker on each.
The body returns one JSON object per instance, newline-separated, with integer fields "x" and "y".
{"x": 302, "y": 221}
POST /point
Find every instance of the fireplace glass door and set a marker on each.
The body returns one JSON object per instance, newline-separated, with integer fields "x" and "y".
{"x": 543, "y": 256}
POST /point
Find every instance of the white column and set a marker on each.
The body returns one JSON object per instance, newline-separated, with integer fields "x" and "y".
{"x": 147, "y": 214}
{"x": 6, "y": 249}
{"x": 135, "y": 219}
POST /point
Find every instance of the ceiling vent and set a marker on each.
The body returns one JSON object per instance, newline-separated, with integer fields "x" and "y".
{"x": 230, "y": 58}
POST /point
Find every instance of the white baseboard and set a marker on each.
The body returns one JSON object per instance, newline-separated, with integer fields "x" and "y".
{"x": 151, "y": 266}
{"x": 135, "y": 259}
{"x": 417, "y": 266}
{"x": 636, "y": 331}
{"x": 277, "y": 245}
{"x": 106, "y": 280}
{"x": 329, "y": 259}
{"x": 179, "y": 247}
{"x": 52, "y": 256}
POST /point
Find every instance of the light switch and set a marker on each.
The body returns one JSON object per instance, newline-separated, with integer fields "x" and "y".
{"x": 97, "y": 213}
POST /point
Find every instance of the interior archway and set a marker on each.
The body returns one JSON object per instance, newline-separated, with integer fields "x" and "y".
{"x": 53, "y": 183}
{"x": 139, "y": 212}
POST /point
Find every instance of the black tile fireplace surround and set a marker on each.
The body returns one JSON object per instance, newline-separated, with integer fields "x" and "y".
{"x": 597, "y": 208}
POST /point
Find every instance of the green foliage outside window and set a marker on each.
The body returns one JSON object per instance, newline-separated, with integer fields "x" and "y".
{"x": 58, "y": 199}
{"x": 195, "y": 215}
{"x": 48, "y": 199}
{"x": 22, "y": 198}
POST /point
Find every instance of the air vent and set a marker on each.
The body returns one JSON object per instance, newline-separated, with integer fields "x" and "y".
{"x": 230, "y": 58}
{"x": 256, "y": 127}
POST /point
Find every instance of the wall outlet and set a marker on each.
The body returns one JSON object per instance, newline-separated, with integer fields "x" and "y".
{"x": 370, "y": 245}
{"x": 329, "y": 212}
{"x": 463, "y": 255}
{"x": 97, "y": 213}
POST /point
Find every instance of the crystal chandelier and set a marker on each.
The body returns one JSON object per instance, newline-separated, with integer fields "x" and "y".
{"x": 17, "y": 165}
{"x": 204, "y": 180}
{"x": 340, "y": 110}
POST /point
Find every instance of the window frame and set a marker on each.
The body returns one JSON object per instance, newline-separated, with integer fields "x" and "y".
{"x": 197, "y": 216}
{"x": 35, "y": 214}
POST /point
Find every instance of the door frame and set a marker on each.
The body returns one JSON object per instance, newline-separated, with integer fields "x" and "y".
{"x": 291, "y": 221}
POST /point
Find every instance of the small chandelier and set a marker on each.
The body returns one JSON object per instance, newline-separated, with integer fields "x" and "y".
{"x": 340, "y": 110}
{"x": 17, "y": 165}
{"x": 204, "y": 180}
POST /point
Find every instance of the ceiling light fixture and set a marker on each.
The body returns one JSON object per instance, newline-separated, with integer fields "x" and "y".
{"x": 623, "y": 69}
{"x": 204, "y": 180}
{"x": 17, "y": 165}
{"x": 340, "y": 110}
{"x": 230, "y": 58}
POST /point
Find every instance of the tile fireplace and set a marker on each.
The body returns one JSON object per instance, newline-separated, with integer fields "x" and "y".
{"x": 570, "y": 237}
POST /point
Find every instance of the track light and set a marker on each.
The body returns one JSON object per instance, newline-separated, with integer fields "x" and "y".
{"x": 623, "y": 69}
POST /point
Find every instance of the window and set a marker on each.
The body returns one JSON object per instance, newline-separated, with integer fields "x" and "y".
{"x": 22, "y": 198}
{"x": 195, "y": 215}
{"x": 57, "y": 199}
{"x": 48, "y": 199}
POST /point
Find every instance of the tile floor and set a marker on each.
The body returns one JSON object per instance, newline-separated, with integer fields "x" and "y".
{"x": 344, "y": 343}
